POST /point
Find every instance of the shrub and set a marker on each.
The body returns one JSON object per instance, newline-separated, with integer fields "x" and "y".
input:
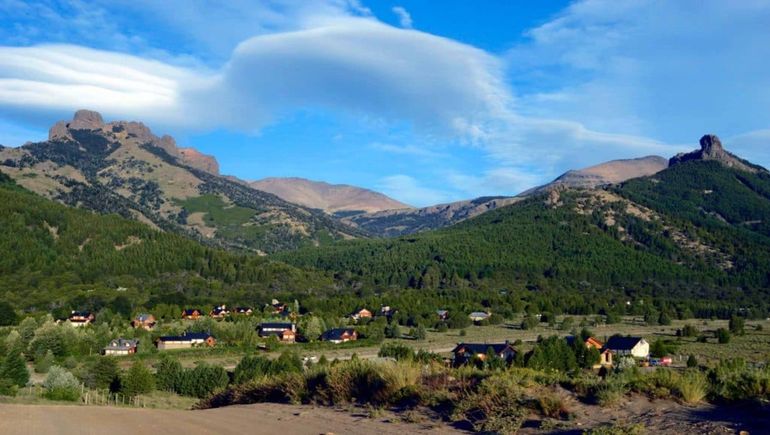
{"x": 496, "y": 407}
{"x": 722, "y": 335}
{"x": 400, "y": 352}
{"x": 611, "y": 392}
{"x": 203, "y": 380}
{"x": 61, "y": 385}
{"x": 169, "y": 374}
{"x": 693, "y": 387}
{"x": 737, "y": 325}
{"x": 137, "y": 380}
{"x": 689, "y": 331}
{"x": 552, "y": 405}
{"x": 44, "y": 363}
{"x": 7, "y": 387}
{"x": 692, "y": 362}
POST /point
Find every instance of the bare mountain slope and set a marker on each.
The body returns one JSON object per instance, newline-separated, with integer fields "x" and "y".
{"x": 122, "y": 167}
{"x": 331, "y": 198}
{"x": 612, "y": 172}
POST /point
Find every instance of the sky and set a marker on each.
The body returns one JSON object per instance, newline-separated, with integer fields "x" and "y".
{"x": 426, "y": 101}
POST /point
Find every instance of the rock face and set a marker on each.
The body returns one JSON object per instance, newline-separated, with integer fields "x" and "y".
{"x": 711, "y": 149}
{"x": 612, "y": 172}
{"x": 331, "y": 198}
{"x": 90, "y": 120}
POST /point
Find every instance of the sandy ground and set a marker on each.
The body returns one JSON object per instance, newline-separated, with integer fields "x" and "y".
{"x": 249, "y": 419}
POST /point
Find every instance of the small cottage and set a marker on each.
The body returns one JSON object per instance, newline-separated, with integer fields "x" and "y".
{"x": 121, "y": 346}
{"x": 464, "y": 353}
{"x": 636, "y": 347}
{"x": 442, "y": 314}
{"x": 81, "y": 318}
{"x": 144, "y": 321}
{"x": 605, "y": 355}
{"x": 340, "y": 335}
{"x": 219, "y": 312}
{"x": 478, "y": 316}
{"x": 286, "y": 332}
{"x": 186, "y": 341}
{"x": 363, "y": 313}
{"x": 192, "y": 314}
{"x": 244, "y": 311}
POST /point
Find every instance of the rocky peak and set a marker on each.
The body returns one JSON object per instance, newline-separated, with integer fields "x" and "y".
{"x": 711, "y": 149}
{"x": 140, "y": 133}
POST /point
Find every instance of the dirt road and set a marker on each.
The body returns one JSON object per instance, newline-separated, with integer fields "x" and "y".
{"x": 259, "y": 419}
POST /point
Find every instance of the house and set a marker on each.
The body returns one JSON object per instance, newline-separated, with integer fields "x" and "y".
{"x": 387, "y": 311}
{"x": 219, "y": 312}
{"x": 244, "y": 311}
{"x": 636, "y": 347}
{"x": 442, "y": 314}
{"x": 478, "y": 316}
{"x": 279, "y": 307}
{"x": 464, "y": 353}
{"x": 192, "y": 314}
{"x": 605, "y": 355}
{"x": 185, "y": 341}
{"x": 363, "y": 313}
{"x": 120, "y": 346}
{"x": 80, "y": 318}
{"x": 340, "y": 335}
{"x": 286, "y": 332}
{"x": 144, "y": 321}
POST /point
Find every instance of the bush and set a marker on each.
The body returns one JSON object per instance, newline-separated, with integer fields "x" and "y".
{"x": 497, "y": 406}
{"x": 689, "y": 331}
{"x": 723, "y": 335}
{"x": 8, "y": 388}
{"x": 693, "y": 387}
{"x": 737, "y": 325}
{"x": 44, "y": 363}
{"x": 397, "y": 351}
{"x": 692, "y": 362}
{"x": 169, "y": 374}
{"x": 137, "y": 380}
{"x": 61, "y": 385}
{"x": 203, "y": 380}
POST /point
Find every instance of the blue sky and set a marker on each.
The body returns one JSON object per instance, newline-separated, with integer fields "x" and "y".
{"x": 425, "y": 101}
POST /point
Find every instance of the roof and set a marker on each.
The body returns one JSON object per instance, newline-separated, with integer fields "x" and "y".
{"x": 80, "y": 314}
{"x": 477, "y": 348}
{"x": 122, "y": 343}
{"x": 442, "y": 312}
{"x": 242, "y": 309}
{"x": 144, "y": 317}
{"x": 190, "y": 311}
{"x": 622, "y": 343}
{"x": 276, "y": 325}
{"x": 478, "y": 314}
{"x": 336, "y": 333}
{"x": 590, "y": 340}
{"x": 188, "y": 336}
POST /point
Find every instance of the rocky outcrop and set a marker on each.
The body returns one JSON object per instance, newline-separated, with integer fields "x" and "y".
{"x": 90, "y": 120}
{"x": 711, "y": 149}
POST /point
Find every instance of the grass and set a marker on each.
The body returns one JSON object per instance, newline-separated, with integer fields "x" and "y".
{"x": 218, "y": 213}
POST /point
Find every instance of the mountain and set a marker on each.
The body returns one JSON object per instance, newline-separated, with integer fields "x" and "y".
{"x": 392, "y": 223}
{"x": 122, "y": 167}
{"x": 698, "y": 229}
{"x": 331, "y": 198}
{"x": 612, "y": 172}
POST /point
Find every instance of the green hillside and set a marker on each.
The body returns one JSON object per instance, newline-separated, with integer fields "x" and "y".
{"x": 53, "y": 253}
{"x": 696, "y": 230}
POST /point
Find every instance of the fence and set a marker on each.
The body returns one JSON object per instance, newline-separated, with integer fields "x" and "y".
{"x": 92, "y": 397}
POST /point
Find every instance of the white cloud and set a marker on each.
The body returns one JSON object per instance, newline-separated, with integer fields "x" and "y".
{"x": 408, "y": 190}
{"x": 404, "y": 17}
{"x": 408, "y": 150}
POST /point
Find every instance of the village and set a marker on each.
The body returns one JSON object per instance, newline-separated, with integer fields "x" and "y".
{"x": 281, "y": 327}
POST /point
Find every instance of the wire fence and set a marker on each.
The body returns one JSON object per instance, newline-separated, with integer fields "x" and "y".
{"x": 92, "y": 397}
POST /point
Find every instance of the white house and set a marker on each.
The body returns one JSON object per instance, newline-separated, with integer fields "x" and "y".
{"x": 636, "y": 347}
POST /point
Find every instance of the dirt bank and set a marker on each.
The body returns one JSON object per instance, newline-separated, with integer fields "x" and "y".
{"x": 250, "y": 419}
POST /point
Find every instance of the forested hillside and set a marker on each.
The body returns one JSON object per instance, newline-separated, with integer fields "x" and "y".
{"x": 696, "y": 230}
{"x": 53, "y": 253}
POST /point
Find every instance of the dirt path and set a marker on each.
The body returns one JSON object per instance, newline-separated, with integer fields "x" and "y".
{"x": 265, "y": 419}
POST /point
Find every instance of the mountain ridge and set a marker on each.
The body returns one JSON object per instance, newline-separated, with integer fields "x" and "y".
{"x": 331, "y": 198}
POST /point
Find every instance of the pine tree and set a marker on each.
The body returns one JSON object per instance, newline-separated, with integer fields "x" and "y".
{"x": 137, "y": 380}
{"x": 14, "y": 367}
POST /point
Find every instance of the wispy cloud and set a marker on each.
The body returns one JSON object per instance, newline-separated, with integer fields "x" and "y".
{"x": 408, "y": 150}
{"x": 407, "y": 189}
{"x": 404, "y": 17}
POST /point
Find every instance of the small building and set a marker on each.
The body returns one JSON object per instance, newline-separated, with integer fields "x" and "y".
{"x": 192, "y": 314}
{"x": 186, "y": 341}
{"x": 363, "y": 313}
{"x": 340, "y": 335}
{"x": 244, "y": 311}
{"x": 387, "y": 311}
{"x": 464, "y": 353}
{"x": 286, "y": 332}
{"x": 636, "y": 347}
{"x": 442, "y": 314}
{"x": 605, "y": 355}
{"x": 478, "y": 316}
{"x": 144, "y": 321}
{"x": 120, "y": 346}
{"x": 278, "y": 307}
{"x": 219, "y": 312}
{"x": 81, "y": 318}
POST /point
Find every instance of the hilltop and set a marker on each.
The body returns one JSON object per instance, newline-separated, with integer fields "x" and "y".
{"x": 331, "y": 198}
